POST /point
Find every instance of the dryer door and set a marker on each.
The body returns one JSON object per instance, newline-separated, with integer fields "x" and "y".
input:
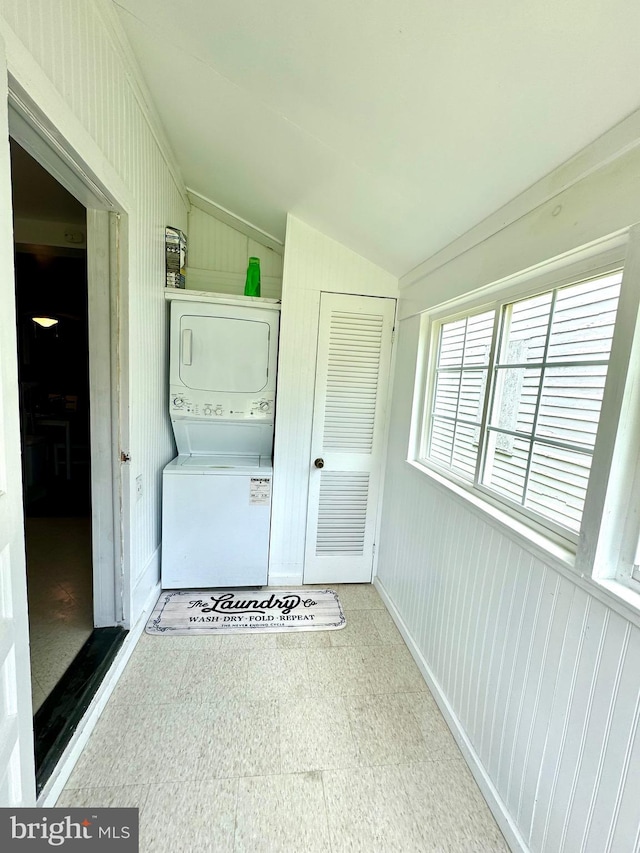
{"x": 224, "y": 354}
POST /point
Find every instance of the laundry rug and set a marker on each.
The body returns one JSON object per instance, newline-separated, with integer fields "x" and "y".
{"x": 242, "y": 611}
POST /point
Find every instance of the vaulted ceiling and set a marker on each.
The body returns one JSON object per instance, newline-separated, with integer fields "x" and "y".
{"x": 391, "y": 125}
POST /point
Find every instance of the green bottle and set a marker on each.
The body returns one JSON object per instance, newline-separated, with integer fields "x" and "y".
{"x": 252, "y": 285}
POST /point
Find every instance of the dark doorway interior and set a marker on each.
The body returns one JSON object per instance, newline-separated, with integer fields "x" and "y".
{"x": 53, "y": 371}
{"x": 51, "y": 284}
{"x": 69, "y": 658}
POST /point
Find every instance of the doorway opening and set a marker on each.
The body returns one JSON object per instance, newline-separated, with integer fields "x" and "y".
{"x": 68, "y": 655}
{"x": 53, "y": 360}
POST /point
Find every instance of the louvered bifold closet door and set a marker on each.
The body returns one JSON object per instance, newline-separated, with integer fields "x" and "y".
{"x": 352, "y": 375}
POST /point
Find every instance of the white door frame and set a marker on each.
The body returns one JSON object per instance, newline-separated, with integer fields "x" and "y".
{"x": 107, "y": 318}
{"x": 17, "y": 776}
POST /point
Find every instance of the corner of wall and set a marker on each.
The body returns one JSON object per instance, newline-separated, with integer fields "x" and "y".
{"x": 313, "y": 263}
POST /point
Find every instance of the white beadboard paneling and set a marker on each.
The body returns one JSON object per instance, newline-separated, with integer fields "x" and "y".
{"x": 559, "y": 721}
{"x": 581, "y": 669}
{"x": 321, "y": 263}
{"x": 597, "y": 729}
{"x": 72, "y": 61}
{"x": 271, "y": 262}
{"x": 219, "y": 254}
{"x": 626, "y": 819}
{"x": 539, "y": 697}
{"x": 312, "y": 263}
{"x": 230, "y": 282}
{"x": 615, "y": 769}
{"x": 214, "y": 245}
{"x": 541, "y": 677}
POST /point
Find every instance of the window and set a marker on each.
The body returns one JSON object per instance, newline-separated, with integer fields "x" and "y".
{"x": 516, "y": 396}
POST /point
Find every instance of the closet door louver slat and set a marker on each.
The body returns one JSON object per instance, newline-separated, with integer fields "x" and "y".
{"x": 342, "y": 513}
{"x": 347, "y": 424}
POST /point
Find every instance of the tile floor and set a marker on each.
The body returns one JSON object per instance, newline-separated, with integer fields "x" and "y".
{"x": 60, "y": 597}
{"x": 285, "y": 743}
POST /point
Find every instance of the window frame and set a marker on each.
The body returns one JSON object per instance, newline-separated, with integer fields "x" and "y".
{"x": 597, "y": 260}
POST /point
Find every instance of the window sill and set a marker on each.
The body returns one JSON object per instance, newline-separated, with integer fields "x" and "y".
{"x": 548, "y": 548}
{"x": 629, "y": 599}
{"x": 612, "y": 593}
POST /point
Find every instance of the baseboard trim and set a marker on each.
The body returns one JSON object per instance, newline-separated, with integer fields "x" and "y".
{"x": 285, "y": 580}
{"x": 498, "y": 808}
{"x": 147, "y": 581}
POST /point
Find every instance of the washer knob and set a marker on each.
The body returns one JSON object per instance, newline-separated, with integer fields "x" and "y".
{"x": 264, "y": 405}
{"x": 218, "y": 410}
{"x": 207, "y": 410}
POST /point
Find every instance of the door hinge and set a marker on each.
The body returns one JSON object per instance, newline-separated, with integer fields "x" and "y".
{"x": 125, "y": 457}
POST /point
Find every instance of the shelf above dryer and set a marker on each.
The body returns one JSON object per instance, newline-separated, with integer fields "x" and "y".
{"x": 184, "y": 295}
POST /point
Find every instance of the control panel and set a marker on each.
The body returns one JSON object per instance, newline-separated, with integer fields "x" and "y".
{"x": 211, "y": 407}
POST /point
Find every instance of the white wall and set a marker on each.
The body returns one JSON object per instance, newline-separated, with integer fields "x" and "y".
{"x": 41, "y": 232}
{"x": 536, "y": 673}
{"x": 313, "y": 263}
{"x": 69, "y": 57}
{"x": 218, "y": 256}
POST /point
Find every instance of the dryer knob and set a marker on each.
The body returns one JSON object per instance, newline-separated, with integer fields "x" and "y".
{"x": 178, "y": 402}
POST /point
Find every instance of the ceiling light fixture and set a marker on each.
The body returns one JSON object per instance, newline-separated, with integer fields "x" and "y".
{"x": 47, "y": 322}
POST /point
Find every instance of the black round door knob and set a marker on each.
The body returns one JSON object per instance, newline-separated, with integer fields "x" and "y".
{"x": 319, "y": 463}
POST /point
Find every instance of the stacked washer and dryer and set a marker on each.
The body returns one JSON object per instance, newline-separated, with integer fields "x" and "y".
{"x": 216, "y": 504}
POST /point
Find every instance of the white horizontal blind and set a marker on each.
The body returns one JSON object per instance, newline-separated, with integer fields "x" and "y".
{"x": 460, "y": 387}
{"x": 548, "y": 385}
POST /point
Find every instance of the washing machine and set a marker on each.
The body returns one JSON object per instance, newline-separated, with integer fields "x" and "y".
{"x": 216, "y": 507}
